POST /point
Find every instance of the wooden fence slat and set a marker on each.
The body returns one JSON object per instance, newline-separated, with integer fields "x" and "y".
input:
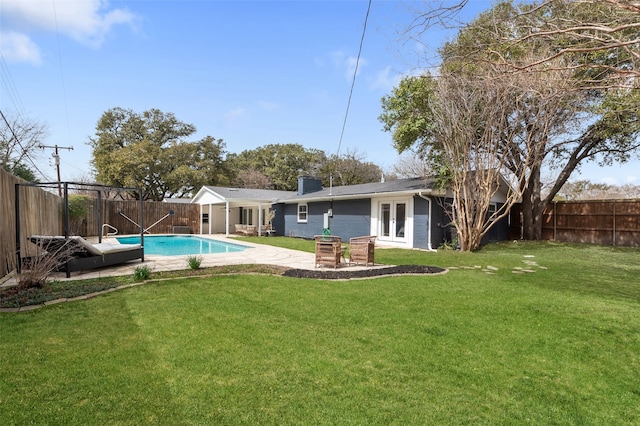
{"x": 606, "y": 222}
{"x": 41, "y": 213}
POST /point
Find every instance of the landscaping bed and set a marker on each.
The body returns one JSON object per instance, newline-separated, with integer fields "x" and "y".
{"x": 342, "y": 274}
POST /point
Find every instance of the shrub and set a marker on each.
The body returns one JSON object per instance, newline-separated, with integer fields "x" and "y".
{"x": 142, "y": 273}
{"x": 36, "y": 269}
{"x": 194, "y": 262}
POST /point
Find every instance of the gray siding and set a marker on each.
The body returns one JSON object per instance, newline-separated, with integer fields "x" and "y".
{"x": 420, "y": 222}
{"x": 441, "y": 230}
{"x": 499, "y": 231}
{"x": 351, "y": 218}
{"x": 278, "y": 221}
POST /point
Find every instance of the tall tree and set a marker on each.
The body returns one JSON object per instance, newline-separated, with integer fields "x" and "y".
{"x": 20, "y": 139}
{"x": 349, "y": 168}
{"x": 465, "y": 125}
{"x": 599, "y": 39}
{"x": 563, "y": 119}
{"x": 280, "y": 163}
{"x": 150, "y": 151}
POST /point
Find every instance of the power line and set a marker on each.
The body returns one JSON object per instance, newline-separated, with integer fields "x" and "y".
{"x": 10, "y": 87}
{"x": 64, "y": 91}
{"x": 14, "y": 136}
{"x": 353, "y": 81}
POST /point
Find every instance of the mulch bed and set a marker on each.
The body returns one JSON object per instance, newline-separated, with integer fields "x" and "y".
{"x": 343, "y": 274}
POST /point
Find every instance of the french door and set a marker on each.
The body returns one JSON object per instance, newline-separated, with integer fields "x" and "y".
{"x": 393, "y": 219}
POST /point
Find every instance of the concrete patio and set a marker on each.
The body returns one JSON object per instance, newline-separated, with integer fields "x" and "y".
{"x": 256, "y": 254}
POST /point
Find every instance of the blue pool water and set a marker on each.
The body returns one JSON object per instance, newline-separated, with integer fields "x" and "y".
{"x": 173, "y": 245}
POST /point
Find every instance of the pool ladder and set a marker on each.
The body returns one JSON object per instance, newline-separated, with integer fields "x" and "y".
{"x": 114, "y": 230}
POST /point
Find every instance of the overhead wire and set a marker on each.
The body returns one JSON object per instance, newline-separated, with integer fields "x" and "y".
{"x": 353, "y": 80}
{"x": 9, "y": 86}
{"x": 64, "y": 91}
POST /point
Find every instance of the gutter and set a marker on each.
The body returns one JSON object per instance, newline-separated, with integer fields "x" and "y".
{"x": 427, "y": 199}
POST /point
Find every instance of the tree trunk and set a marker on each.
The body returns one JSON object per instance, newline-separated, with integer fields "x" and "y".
{"x": 532, "y": 207}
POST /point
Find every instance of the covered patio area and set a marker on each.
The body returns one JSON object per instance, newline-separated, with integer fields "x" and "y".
{"x": 222, "y": 208}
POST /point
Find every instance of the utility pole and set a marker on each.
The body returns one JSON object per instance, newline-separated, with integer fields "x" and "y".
{"x": 56, "y": 160}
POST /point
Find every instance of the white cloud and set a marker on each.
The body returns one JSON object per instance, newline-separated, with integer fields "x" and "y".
{"x": 16, "y": 47}
{"x": 385, "y": 81}
{"x": 347, "y": 64}
{"x": 268, "y": 106}
{"x": 235, "y": 116}
{"x": 351, "y": 64}
{"x": 88, "y": 21}
{"x": 631, "y": 179}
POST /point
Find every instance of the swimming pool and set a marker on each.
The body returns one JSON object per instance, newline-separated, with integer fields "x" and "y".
{"x": 174, "y": 245}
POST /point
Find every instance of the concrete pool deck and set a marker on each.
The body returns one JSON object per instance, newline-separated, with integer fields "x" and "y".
{"x": 256, "y": 254}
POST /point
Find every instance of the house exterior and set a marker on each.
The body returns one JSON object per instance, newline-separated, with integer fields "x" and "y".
{"x": 407, "y": 213}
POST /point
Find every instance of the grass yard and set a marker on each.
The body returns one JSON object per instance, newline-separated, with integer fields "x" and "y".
{"x": 536, "y": 333}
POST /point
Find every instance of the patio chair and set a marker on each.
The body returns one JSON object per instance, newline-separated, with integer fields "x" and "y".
{"x": 81, "y": 255}
{"x": 361, "y": 250}
{"x": 328, "y": 250}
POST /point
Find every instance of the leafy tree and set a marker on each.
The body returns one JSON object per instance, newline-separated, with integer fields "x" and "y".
{"x": 348, "y": 169}
{"x": 21, "y": 171}
{"x": 150, "y": 151}
{"x": 251, "y": 178}
{"x": 19, "y": 142}
{"x": 280, "y": 163}
{"x": 560, "y": 118}
{"x": 411, "y": 165}
{"x": 599, "y": 38}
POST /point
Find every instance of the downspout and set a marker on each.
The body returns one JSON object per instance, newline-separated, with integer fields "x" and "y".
{"x": 226, "y": 219}
{"x": 428, "y": 200}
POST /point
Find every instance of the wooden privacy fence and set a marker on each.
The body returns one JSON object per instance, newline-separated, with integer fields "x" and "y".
{"x": 42, "y": 213}
{"x": 607, "y": 222}
{"x": 44, "y": 218}
{"x": 123, "y": 215}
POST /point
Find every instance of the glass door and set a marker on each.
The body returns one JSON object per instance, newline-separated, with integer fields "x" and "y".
{"x": 393, "y": 218}
{"x": 400, "y": 219}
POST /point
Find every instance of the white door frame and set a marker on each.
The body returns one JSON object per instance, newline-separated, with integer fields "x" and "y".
{"x": 400, "y": 234}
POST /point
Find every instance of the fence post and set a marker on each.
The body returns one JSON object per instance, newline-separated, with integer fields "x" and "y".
{"x": 614, "y": 222}
{"x": 17, "y": 214}
{"x": 555, "y": 221}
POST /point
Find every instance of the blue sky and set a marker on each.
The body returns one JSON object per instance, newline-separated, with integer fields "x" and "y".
{"x": 248, "y": 72}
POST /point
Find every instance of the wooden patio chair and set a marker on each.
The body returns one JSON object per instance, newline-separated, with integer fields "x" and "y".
{"x": 328, "y": 250}
{"x": 361, "y": 250}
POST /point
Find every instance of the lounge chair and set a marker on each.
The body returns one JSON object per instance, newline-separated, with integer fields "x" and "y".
{"x": 82, "y": 255}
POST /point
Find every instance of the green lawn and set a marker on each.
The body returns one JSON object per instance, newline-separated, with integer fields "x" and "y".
{"x": 517, "y": 333}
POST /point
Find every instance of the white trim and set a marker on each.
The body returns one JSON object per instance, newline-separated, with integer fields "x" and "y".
{"x": 226, "y": 219}
{"x": 306, "y": 214}
{"x": 376, "y": 204}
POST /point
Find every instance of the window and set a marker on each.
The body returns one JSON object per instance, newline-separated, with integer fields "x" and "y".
{"x": 205, "y": 217}
{"x": 493, "y": 208}
{"x": 302, "y": 213}
{"x": 246, "y": 216}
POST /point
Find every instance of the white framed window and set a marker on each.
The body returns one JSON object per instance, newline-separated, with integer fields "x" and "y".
{"x": 302, "y": 213}
{"x": 246, "y": 216}
{"x": 493, "y": 208}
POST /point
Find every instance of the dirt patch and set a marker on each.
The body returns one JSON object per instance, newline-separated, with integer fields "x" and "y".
{"x": 342, "y": 274}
